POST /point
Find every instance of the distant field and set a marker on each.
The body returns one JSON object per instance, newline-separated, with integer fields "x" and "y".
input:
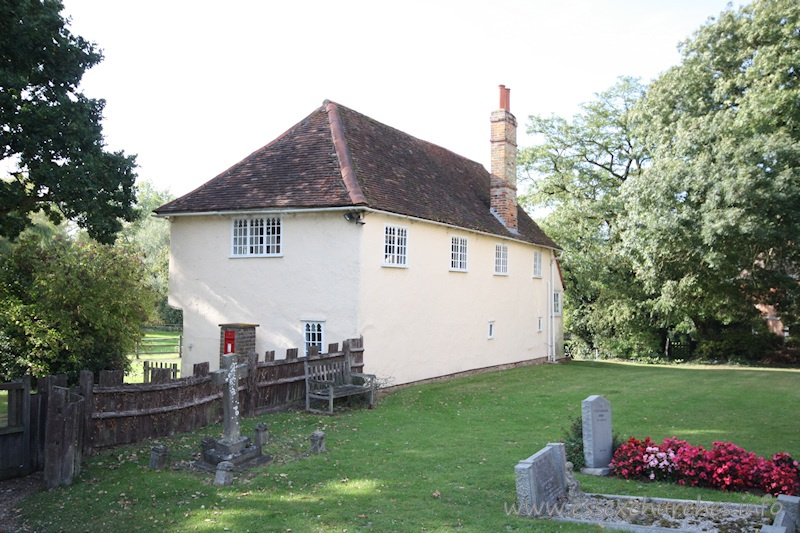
{"x": 160, "y": 346}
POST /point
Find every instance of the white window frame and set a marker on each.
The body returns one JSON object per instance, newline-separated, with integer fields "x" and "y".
{"x": 540, "y": 324}
{"x": 395, "y": 246}
{"x": 537, "y": 264}
{"x": 458, "y": 253}
{"x": 490, "y": 333}
{"x": 313, "y": 335}
{"x": 557, "y": 303}
{"x": 260, "y": 236}
{"x": 501, "y": 259}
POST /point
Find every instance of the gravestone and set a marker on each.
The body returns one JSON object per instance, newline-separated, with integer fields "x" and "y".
{"x": 159, "y": 457}
{"x": 228, "y": 376}
{"x": 541, "y": 480}
{"x": 318, "y": 442}
{"x": 232, "y": 448}
{"x": 597, "y": 437}
{"x": 224, "y": 474}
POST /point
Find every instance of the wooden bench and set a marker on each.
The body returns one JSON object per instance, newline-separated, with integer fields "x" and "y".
{"x": 327, "y": 380}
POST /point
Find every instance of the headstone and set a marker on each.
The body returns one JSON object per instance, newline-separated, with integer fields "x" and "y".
{"x": 224, "y": 473}
{"x": 159, "y": 458}
{"x": 541, "y": 480}
{"x": 318, "y": 442}
{"x": 791, "y": 504}
{"x": 597, "y": 437}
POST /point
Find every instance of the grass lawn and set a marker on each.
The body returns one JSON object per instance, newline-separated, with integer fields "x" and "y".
{"x": 161, "y": 346}
{"x": 436, "y": 457}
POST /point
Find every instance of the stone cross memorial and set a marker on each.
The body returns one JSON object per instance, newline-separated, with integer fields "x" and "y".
{"x": 541, "y": 480}
{"x": 597, "y": 437}
{"x": 228, "y": 376}
{"x": 233, "y": 452}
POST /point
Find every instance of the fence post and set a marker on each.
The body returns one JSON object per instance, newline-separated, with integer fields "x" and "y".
{"x": 252, "y": 384}
{"x": 111, "y": 378}
{"x": 200, "y": 369}
{"x": 87, "y": 391}
{"x": 63, "y": 434}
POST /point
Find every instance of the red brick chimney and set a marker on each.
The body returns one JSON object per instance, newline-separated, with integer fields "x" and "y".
{"x": 504, "y": 162}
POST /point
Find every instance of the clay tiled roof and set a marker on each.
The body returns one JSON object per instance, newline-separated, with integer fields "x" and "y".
{"x": 337, "y": 157}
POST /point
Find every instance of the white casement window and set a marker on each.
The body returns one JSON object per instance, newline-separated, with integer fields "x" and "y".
{"x": 313, "y": 335}
{"x": 540, "y": 324}
{"x": 395, "y": 246}
{"x": 556, "y": 303}
{"x": 491, "y": 330}
{"x": 458, "y": 253}
{"x": 501, "y": 259}
{"x": 537, "y": 264}
{"x": 256, "y": 237}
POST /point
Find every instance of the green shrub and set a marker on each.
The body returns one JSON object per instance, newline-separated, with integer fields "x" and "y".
{"x": 741, "y": 344}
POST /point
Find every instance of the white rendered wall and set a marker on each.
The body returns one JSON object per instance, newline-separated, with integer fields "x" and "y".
{"x": 426, "y": 321}
{"x": 316, "y": 279}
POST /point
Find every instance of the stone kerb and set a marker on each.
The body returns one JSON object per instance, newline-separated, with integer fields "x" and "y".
{"x": 541, "y": 480}
{"x": 597, "y": 436}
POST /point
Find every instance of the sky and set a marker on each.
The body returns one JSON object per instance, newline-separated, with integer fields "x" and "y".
{"x": 193, "y": 87}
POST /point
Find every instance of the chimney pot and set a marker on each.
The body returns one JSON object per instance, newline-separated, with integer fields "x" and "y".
{"x": 505, "y": 98}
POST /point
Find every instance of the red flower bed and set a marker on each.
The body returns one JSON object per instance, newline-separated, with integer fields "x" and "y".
{"x": 724, "y": 467}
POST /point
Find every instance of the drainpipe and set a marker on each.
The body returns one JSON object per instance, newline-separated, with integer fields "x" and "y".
{"x": 552, "y": 348}
{"x": 549, "y": 320}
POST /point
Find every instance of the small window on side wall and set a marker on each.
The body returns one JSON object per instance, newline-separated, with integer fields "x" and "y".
{"x": 537, "y": 264}
{"x": 501, "y": 259}
{"x": 458, "y": 253}
{"x": 313, "y": 336}
{"x": 540, "y": 324}
{"x": 556, "y": 303}
{"x": 491, "y": 330}
{"x": 395, "y": 246}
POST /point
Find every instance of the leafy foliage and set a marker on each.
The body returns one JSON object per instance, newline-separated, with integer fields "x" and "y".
{"x": 714, "y": 226}
{"x": 578, "y": 172}
{"x": 678, "y": 205}
{"x": 67, "y": 306}
{"x": 150, "y": 236}
{"x": 51, "y": 132}
{"x": 573, "y": 443}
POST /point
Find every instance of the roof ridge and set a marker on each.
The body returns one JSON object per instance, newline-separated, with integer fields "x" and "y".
{"x": 343, "y": 154}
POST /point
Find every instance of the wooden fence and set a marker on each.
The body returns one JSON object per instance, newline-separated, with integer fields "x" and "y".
{"x": 152, "y": 374}
{"x": 120, "y": 413}
{"x": 28, "y": 443}
{"x": 52, "y": 429}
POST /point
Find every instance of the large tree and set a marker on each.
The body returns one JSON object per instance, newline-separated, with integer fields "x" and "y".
{"x": 577, "y": 172}
{"x": 713, "y": 227}
{"x": 50, "y": 133}
{"x": 150, "y": 236}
